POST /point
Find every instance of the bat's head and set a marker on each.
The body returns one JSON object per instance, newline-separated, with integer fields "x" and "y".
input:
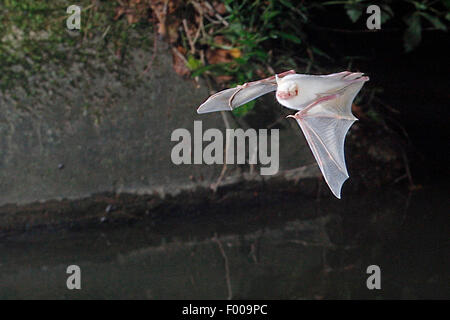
{"x": 287, "y": 89}
{"x": 296, "y": 91}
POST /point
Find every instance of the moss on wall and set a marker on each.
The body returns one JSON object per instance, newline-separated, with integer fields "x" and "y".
{"x": 35, "y": 36}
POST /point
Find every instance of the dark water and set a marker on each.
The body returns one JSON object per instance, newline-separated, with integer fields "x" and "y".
{"x": 297, "y": 248}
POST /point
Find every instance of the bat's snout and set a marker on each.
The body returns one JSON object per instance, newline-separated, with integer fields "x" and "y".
{"x": 285, "y": 95}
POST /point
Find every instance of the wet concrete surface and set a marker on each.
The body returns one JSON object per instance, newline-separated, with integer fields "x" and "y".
{"x": 267, "y": 245}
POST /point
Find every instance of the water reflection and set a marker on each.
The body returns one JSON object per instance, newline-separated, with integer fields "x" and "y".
{"x": 292, "y": 249}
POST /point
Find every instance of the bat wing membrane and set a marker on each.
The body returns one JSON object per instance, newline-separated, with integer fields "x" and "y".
{"x": 325, "y": 126}
{"x": 230, "y": 99}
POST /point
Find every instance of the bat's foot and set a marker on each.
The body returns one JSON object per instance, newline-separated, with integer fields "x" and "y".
{"x": 297, "y": 116}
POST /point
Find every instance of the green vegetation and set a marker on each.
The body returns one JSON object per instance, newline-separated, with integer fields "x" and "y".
{"x": 418, "y": 14}
{"x": 262, "y": 37}
{"x": 228, "y": 42}
{"x": 33, "y": 35}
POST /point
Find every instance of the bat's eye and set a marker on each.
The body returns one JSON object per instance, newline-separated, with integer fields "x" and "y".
{"x": 293, "y": 90}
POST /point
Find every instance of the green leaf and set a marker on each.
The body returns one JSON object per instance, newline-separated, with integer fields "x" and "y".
{"x": 268, "y": 15}
{"x": 446, "y": 3}
{"x": 193, "y": 63}
{"x": 200, "y": 70}
{"x": 420, "y": 5}
{"x": 319, "y": 52}
{"x": 242, "y": 60}
{"x": 353, "y": 12}
{"x": 374, "y": 115}
{"x": 258, "y": 53}
{"x": 434, "y": 21}
{"x": 287, "y": 4}
{"x": 386, "y": 13}
{"x": 413, "y": 35}
{"x": 289, "y": 37}
{"x": 447, "y": 16}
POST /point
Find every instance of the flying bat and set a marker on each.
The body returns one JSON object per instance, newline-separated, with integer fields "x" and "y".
{"x": 323, "y": 104}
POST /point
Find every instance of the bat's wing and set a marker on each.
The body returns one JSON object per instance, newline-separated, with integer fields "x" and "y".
{"x": 325, "y": 124}
{"x": 230, "y": 99}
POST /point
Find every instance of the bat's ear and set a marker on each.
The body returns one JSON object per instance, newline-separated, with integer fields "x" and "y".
{"x": 277, "y": 79}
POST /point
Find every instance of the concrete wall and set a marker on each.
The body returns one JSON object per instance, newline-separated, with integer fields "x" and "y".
{"x": 74, "y": 133}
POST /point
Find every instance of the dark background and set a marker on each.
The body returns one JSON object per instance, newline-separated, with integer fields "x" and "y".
{"x": 414, "y": 83}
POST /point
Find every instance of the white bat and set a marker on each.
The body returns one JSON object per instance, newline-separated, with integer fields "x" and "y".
{"x": 324, "y": 112}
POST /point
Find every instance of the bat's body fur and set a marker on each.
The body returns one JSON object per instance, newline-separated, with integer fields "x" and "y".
{"x": 308, "y": 87}
{"x": 324, "y": 112}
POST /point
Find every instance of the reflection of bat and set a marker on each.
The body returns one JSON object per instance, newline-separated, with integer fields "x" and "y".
{"x": 324, "y": 112}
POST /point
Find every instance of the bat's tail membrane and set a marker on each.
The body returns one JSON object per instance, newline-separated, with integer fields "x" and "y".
{"x": 325, "y": 126}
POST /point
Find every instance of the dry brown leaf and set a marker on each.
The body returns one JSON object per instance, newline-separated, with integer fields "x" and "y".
{"x": 357, "y": 110}
{"x": 172, "y": 6}
{"x": 119, "y": 12}
{"x": 172, "y": 31}
{"x": 132, "y": 18}
{"x": 179, "y": 63}
{"x": 218, "y": 56}
{"x": 198, "y": 19}
{"x": 235, "y": 53}
{"x": 223, "y": 79}
{"x": 261, "y": 74}
{"x": 220, "y": 7}
{"x": 181, "y": 50}
{"x": 219, "y": 39}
